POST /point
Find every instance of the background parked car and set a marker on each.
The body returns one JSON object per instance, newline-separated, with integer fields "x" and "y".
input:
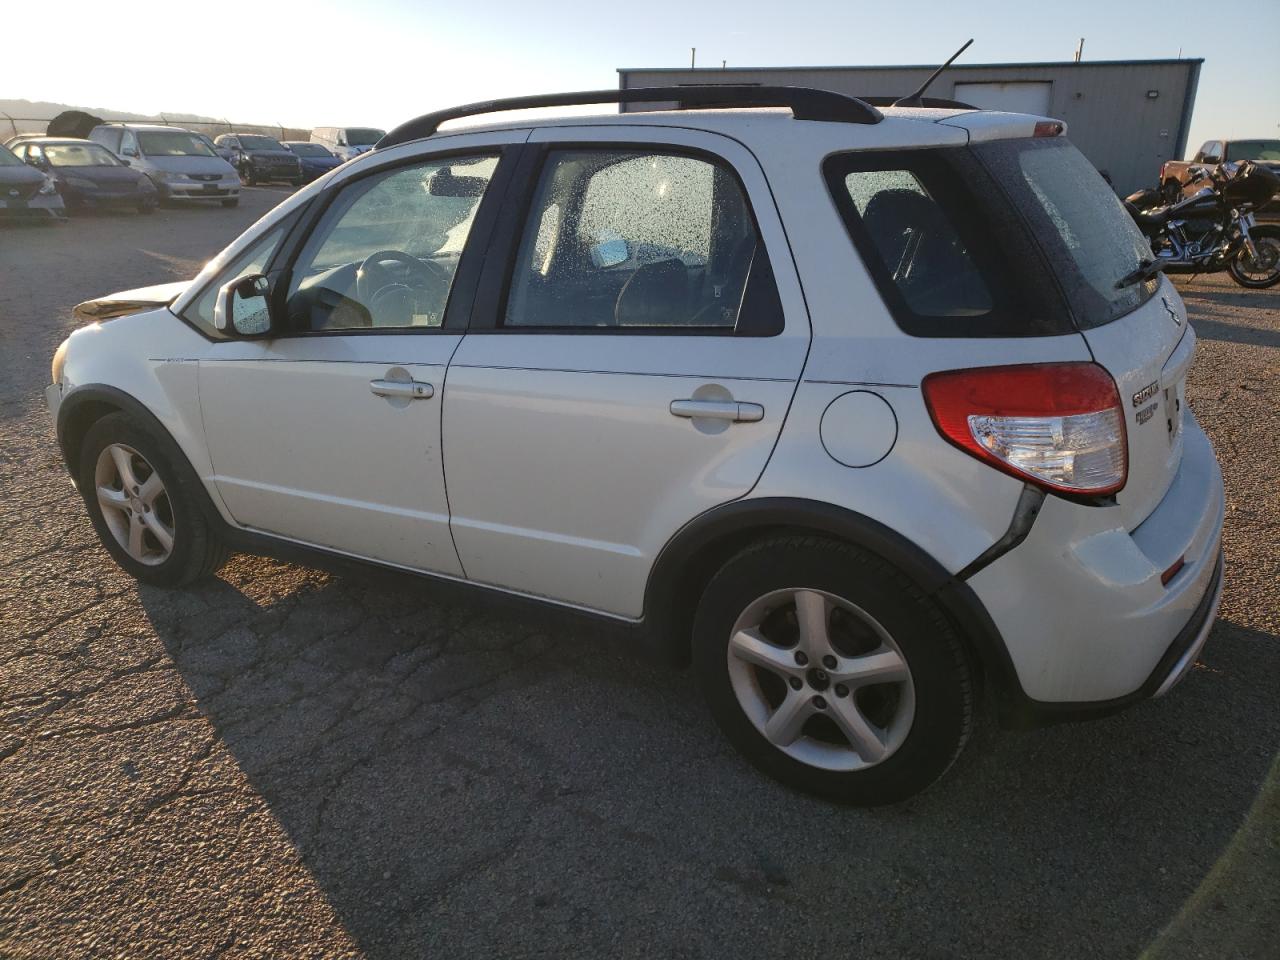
{"x": 347, "y": 142}
{"x": 226, "y": 153}
{"x": 315, "y": 159}
{"x": 27, "y": 192}
{"x": 16, "y": 139}
{"x": 179, "y": 163}
{"x": 261, "y": 159}
{"x": 87, "y": 174}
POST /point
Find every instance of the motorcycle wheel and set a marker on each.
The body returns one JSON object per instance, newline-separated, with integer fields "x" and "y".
{"x": 1263, "y": 272}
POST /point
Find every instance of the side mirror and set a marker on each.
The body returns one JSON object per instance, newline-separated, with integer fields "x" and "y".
{"x": 1211, "y": 160}
{"x": 446, "y": 184}
{"x": 126, "y": 161}
{"x": 243, "y": 307}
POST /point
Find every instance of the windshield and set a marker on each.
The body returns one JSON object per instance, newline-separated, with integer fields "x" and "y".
{"x": 1079, "y": 223}
{"x": 7, "y": 159}
{"x": 309, "y": 150}
{"x": 79, "y": 155}
{"x": 254, "y": 142}
{"x": 173, "y": 143}
{"x": 364, "y": 136}
{"x": 1254, "y": 150}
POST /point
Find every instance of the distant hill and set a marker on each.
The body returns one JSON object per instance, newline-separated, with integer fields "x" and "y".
{"x": 44, "y": 110}
{"x": 30, "y": 116}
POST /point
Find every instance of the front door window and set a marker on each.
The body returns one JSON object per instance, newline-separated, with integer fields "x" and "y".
{"x": 387, "y": 250}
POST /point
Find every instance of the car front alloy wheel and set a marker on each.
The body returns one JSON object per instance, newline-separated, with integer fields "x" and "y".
{"x": 135, "y": 506}
{"x": 142, "y": 498}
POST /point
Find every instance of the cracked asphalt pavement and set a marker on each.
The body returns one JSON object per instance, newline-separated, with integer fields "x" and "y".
{"x": 286, "y": 762}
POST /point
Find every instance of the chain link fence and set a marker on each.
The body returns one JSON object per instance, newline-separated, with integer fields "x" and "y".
{"x": 12, "y": 126}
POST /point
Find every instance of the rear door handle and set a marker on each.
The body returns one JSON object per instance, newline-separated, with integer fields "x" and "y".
{"x": 736, "y": 411}
{"x": 405, "y": 389}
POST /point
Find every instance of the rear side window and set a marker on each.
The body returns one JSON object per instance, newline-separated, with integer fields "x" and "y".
{"x": 636, "y": 240}
{"x": 917, "y": 245}
{"x": 1088, "y": 239}
{"x": 948, "y": 255}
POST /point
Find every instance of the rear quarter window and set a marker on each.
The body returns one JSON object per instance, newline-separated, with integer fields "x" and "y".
{"x": 948, "y": 255}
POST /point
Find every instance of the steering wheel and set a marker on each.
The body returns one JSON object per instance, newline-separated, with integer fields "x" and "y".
{"x": 375, "y": 284}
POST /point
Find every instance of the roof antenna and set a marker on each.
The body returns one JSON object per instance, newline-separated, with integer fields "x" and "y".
{"x": 917, "y": 99}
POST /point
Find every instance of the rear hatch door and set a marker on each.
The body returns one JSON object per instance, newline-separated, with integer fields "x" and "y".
{"x": 1148, "y": 352}
{"x": 1135, "y": 328}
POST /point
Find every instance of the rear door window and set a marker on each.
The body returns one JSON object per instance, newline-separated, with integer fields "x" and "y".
{"x": 634, "y": 240}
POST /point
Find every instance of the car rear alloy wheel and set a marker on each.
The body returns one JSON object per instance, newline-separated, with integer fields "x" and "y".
{"x": 831, "y": 670}
{"x": 135, "y": 505}
{"x": 821, "y": 679}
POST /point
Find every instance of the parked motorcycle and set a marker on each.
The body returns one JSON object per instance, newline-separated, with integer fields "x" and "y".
{"x": 1214, "y": 228}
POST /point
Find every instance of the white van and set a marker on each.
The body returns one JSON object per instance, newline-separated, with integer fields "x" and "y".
{"x": 347, "y": 142}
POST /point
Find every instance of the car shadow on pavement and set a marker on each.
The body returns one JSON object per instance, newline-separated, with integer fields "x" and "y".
{"x": 1237, "y": 332}
{"x": 473, "y": 782}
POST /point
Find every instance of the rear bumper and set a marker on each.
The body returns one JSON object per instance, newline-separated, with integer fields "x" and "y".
{"x": 1088, "y": 624}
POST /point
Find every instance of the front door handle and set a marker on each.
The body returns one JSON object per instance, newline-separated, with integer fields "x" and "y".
{"x": 405, "y": 389}
{"x": 736, "y": 411}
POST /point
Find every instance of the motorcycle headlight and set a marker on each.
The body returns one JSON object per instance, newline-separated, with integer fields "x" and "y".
{"x": 47, "y": 187}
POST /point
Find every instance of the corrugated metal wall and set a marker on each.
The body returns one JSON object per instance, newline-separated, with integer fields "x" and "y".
{"x": 1106, "y": 106}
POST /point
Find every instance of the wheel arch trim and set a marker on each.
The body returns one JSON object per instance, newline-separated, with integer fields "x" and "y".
{"x": 72, "y": 427}
{"x": 667, "y": 592}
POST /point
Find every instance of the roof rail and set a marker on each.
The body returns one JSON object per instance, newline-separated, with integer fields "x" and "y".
{"x": 805, "y": 103}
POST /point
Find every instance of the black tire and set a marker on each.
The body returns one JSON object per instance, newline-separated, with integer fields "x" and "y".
{"x": 1267, "y": 241}
{"x": 232, "y": 202}
{"x": 941, "y": 673}
{"x": 196, "y": 552}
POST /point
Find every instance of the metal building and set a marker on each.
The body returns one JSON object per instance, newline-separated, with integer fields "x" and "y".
{"x": 1127, "y": 116}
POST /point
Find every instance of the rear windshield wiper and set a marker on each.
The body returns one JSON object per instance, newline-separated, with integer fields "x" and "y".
{"x": 1145, "y": 271}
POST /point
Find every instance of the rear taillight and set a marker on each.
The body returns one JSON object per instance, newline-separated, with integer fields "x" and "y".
{"x": 1057, "y": 425}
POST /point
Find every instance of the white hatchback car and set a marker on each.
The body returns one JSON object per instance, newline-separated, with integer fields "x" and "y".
{"x": 852, "y": 408}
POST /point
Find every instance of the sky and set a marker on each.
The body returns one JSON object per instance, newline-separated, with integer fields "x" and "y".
{"x": 379, "y": 62}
